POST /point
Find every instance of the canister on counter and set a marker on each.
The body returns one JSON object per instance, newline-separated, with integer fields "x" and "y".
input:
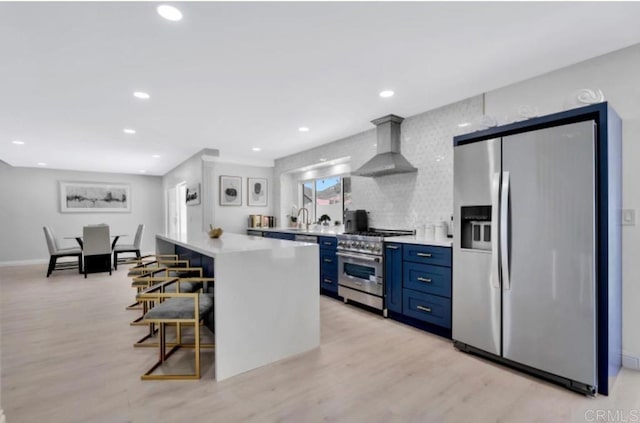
{"x": 255, "y": 220}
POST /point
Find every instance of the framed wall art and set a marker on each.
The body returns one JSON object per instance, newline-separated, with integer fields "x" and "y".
{"x": 257, "y": 191}
{"x": 193, "y": 194}
{"x": 94, "y": 197}
{"x": 230, "y": 190}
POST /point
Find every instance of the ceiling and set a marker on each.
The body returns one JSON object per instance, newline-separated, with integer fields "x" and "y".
{"x": 236, "y": 75}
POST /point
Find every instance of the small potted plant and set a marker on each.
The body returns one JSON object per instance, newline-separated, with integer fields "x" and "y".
{"x": 324, "y": 220}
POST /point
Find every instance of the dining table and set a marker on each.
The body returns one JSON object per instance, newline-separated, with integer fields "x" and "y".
{"x": 81, "y": 244}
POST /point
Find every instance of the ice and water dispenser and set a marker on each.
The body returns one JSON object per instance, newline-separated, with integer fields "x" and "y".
{"x": 475, "y": 227}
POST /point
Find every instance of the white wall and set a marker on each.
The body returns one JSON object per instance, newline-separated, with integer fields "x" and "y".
{"x": 403, "y": 201}
{"x": 236, "y": 218}
{"x": 616, "y": 74}
{"x": 31, "y": 200}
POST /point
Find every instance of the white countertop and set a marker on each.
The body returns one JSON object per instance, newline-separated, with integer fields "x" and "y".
{"x": 412, "y": 239}
{"x": 318, "y": 230}
{"x": 230, "y": 243}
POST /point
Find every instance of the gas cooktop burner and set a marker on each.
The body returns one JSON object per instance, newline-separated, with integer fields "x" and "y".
{"x": 367, "y": 242}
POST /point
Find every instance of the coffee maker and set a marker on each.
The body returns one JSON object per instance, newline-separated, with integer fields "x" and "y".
{"x": 355, "y": 221}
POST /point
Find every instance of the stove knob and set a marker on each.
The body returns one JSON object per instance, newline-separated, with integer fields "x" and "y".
{"x": 356, "y": 244}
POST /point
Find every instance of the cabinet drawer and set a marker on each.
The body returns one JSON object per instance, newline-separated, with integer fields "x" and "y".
{"x": 279, "y": 235}
{"x": 426, "y": 254}
{"x": 329, "y": 281}
{"x": 428, "y": 279}
{"x": 328, "y": 260}
{"x": 428, "y": 308}
{"x": 328, "y": 242}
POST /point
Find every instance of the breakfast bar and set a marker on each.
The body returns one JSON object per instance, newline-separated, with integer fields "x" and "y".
{"x": 266, "y": 304}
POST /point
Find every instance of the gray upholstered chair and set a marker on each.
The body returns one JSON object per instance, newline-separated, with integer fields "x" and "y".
{"x": 129, "y": 248}
{"x": 55, "y": 252}
{"x": 96, "y": 249}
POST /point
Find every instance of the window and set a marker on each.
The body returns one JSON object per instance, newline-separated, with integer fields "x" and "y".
{"x": 326, "y": 196}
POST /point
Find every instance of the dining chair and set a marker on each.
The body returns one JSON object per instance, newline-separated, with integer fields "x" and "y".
{"x": 96, "y": 250}
{"x": 55, "y": 252}
{"x": 129, "y": 248}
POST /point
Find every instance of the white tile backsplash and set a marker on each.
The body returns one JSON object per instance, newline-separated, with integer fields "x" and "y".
{"x": 401, "y": 201}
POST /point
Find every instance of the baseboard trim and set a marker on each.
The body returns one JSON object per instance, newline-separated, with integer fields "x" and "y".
{"x": 630, "y": 361}
{"x": 23, "y": 263}
{"x": 43, "y": 261}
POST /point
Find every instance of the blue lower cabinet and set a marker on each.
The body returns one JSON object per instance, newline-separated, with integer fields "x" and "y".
{"x": 279, "y": 235}
{"x": 434, "y": 280}
{"x": 328, "y": 242}
{"x": 328, "y": 260}
{"x": 428, "y": 254}
{"x": 428, "y": 308}
{"x": 329, "y": 281}
{"x": 328, "y": 265}
{"x": 393, "y": 277}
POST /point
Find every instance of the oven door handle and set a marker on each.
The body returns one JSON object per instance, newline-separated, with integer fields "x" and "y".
{"x": 359, "y": 257}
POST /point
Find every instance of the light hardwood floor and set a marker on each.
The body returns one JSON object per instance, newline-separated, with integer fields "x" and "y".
{"x": 67, "y": 356}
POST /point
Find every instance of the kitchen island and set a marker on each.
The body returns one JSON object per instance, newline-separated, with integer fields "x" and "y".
{"x": 267, "y": 304}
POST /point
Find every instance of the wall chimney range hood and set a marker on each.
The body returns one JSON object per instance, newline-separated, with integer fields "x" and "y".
{"x": 388, "y": 160}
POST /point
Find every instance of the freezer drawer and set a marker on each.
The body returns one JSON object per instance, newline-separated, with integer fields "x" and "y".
{"x": 428, "y": 308}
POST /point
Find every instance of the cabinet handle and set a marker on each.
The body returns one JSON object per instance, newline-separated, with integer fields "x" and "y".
{"x": 425, "y": 280}
{"x": 424, "y": 255}
{"x": 425, "y": 309}
{"x": 328, "y": 261}
{"x": 327, "y": 243}
{"x": 328, "y": 281}
{"x": 392, "y": 247}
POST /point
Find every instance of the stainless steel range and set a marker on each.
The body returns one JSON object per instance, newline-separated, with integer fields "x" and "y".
{"x": 360, "y": 266}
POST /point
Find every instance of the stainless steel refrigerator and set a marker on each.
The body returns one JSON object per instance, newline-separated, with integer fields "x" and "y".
{"x": 528, "y": 248}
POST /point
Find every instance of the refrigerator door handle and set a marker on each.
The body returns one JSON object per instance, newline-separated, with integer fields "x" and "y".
{"x": 495, "y": 213}
{"x": 504, "y": 231}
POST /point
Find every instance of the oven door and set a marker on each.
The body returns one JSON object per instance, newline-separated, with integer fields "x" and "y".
{"x": 361, "y": 272}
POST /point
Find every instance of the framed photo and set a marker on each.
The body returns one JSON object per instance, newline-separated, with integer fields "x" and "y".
{"x": 193, "y": 194}
{"x": 257, "y": 191}
{"x": 230, "y": 190}
{"x": 94, "y": 197}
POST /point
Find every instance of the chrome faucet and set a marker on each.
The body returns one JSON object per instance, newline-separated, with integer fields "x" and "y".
{"x": 306, "y": 222}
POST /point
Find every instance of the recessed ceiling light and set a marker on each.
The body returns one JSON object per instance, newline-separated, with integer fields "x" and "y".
{"x": 142, "y": 95}
{"x": 18, "y": 142}
{"x": 42, "y": 164}
{"x": 386, "y": 93}
{"x": 462, "y": 125}
{"x": 303, "y": 129}
{"x": 156, "y": 156}
{"x": 256, "y": 149}
{"x": 170, "y": 13}
{"x": 129, "y": 131}
{"x": 323, "y": 159}
{"x": 142, "y": 171}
